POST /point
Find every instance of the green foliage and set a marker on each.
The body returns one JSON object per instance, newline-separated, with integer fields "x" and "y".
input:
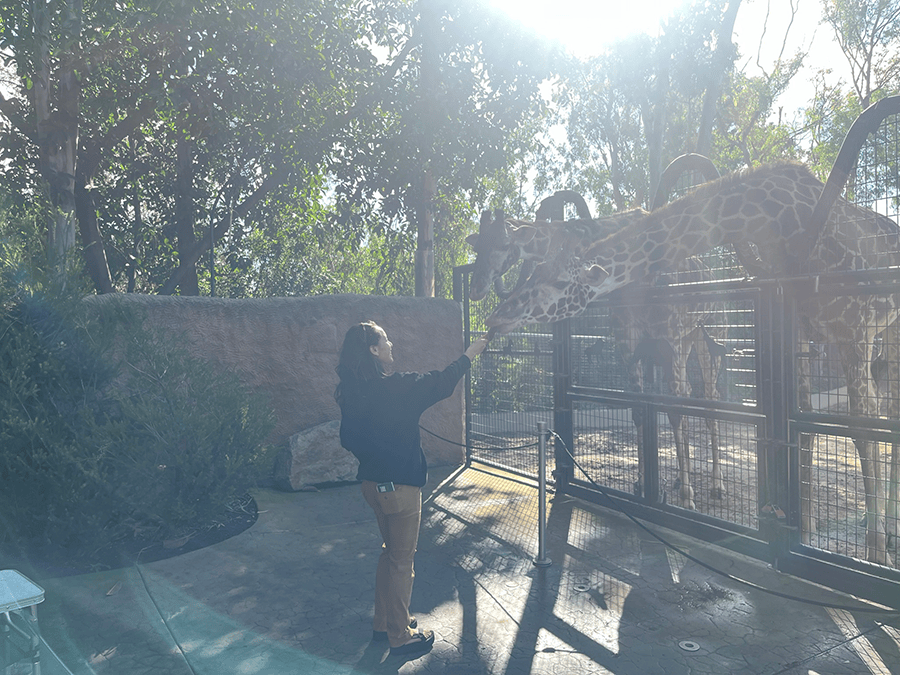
{"x": 228, "y": 115}
{"x": 828, "y": 118}
{"x": 105, "y": 429}
{"x": 182, "y": 437}
{"x": 638, "y": 105}
{"x": 745, "y": 134}
{"x": 868, "y": 33}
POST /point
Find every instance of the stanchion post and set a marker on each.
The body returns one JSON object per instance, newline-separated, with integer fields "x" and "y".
{"x": 542, "y": 560}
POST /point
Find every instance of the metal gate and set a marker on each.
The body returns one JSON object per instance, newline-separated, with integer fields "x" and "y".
{"x": 756, "y": 446}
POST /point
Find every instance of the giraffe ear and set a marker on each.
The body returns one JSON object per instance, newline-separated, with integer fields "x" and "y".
{"x": 592, "y": 275}
{"x": 472, "y": 240}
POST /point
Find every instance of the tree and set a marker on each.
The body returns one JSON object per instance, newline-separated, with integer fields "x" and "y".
{"x": 462, "y": 81}
{"x": 828, "y": 117}
{"x": 868, "y": 32}
{"x": 50, "y": 71}
{"x": 197, "y": 131}
{"x": 722, "y": 59}
{"x": 646, "y": 100}
{"x": 223, "y": 101}
{"x": 745, "y": 134}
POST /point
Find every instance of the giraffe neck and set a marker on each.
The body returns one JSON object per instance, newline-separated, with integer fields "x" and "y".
{"x": 765, "y": 206}
{"x": 574, "y": 237}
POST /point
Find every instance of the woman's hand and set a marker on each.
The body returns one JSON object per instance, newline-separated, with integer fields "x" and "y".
{"x": 477, "y": 347}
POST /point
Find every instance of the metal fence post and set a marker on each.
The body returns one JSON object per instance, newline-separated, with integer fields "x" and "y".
{"x": 542, "y": 560}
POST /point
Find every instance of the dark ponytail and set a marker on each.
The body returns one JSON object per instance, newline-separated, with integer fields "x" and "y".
{"x": 357, "y": 363}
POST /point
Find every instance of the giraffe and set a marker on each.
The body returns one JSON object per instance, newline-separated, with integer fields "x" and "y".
{"x": 766, "y": 208}
{"x": 500, "y": 244}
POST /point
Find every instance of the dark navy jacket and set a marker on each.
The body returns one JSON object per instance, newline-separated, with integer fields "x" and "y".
{"x": 380, "y": 421}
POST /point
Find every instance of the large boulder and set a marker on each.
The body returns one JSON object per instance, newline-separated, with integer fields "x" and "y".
{"x": 314, "y": 456}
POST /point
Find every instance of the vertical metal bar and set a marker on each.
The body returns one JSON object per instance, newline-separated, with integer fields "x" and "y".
{"x": 35, "y": 642}
{"x": 650, "y": 438}
{"x": 562, "y": 406}
{"x": 4, "y": 636}
{"x": 461, "y": 276}
{"x": 792, "y": 477}
{"x": 542, "y": 560}
{"x": 780, "y": 493}
{"x": 555, "y": 209}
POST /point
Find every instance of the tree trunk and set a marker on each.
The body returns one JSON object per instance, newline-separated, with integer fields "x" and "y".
{"x": 654, "y": 115}
{"x": 91, "y": 239}
{"x": 424, "y": 200}
{"x": 137, "y": 230}
{"x": 57, "y": 129}
{"x": 713, "y": 92}
{"x": 184, "y": 212}
{"x": 425, "y": 238}
{"x": 187, "y": 262}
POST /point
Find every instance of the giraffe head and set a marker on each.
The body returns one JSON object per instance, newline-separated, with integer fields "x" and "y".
{"x": 498, "y": 246}
{"x": 500, "y": 242}
{"x": 556, "y": 290}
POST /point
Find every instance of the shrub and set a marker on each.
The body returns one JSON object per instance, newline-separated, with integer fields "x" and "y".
{"x": 108, "y": 431}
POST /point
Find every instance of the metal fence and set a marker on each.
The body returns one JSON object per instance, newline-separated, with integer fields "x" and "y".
{"x": 759, "y": 445}
{"x": 510, "y": 389}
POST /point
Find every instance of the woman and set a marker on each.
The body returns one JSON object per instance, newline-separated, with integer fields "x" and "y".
{"x": 380, "y": 426}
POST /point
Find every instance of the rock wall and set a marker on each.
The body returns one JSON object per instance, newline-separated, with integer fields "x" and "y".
{"x": 288, "y": 348}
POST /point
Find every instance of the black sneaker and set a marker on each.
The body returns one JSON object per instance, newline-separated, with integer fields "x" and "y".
{"x": 381, "y": 635}
{"x": 423, "y": 642}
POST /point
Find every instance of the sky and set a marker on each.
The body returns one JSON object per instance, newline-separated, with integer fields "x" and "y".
{"x": 586, "y": 26}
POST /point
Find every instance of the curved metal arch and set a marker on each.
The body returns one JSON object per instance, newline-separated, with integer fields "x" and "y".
{"x": 553, "y": 207}
{"x": 687, "y": 162}
{"x": 867, "y": 123}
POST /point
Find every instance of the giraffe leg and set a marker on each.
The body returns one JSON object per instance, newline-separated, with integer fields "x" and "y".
{"x": 683, "y": 454}
{"x": 862, "y": 396}
{"x": 625, "y": 338}
{"x": 709, "y": 371}
{"x": 678, "y": 386}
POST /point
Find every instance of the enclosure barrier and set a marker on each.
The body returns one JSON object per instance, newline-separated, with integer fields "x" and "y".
{"x": 542, "y": 560}
{"x": 785, "y": 483}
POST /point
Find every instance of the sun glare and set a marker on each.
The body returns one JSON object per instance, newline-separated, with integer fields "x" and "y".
{"x": 585, "y": 26}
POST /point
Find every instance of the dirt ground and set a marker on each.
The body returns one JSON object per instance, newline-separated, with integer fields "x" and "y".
{"x": 609, "y": 457}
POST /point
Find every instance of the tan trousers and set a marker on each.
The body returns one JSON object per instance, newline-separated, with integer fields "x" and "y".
{"x": 399, "y": 514}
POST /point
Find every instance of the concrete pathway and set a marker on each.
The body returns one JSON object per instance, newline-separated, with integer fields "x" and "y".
{"x": 293, "y": 594}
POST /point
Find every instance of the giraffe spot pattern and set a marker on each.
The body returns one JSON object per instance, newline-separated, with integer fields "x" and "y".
{"x": 732, "y": 206}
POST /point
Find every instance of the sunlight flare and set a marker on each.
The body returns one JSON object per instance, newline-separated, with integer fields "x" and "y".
{"x": 586, "y": 27}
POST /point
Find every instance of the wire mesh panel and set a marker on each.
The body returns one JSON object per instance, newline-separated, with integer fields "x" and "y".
{"x": 717, "y": 475}
{"x": 671, "y": 344}
{"x": 511, "y": 390}
{"x": 837, "y": 334}
{"x": 664, "y": 343}
{"x": 834, "y": 495}
{"x": 606, "y": 447}
{"x": 848, "y": 361}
